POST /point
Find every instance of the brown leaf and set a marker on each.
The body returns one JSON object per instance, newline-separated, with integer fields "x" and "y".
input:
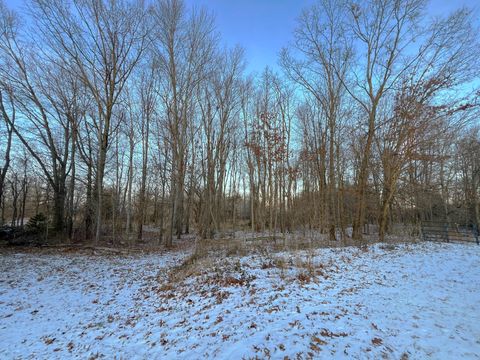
{"x": 48, "y": 341}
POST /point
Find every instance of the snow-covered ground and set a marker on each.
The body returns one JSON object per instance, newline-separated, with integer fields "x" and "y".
{"x": 410, "y": 301}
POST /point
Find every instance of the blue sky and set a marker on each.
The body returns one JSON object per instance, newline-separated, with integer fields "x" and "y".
{"x": 263, "y": 27}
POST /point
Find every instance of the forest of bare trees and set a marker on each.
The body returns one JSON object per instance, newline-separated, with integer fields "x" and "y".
{"x": 127, "y": 122}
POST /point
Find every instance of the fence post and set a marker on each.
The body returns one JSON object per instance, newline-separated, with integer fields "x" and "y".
{"x": 475, "y": 233}
{"x": 446, "y": 232}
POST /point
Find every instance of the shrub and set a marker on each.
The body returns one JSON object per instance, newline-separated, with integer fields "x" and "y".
{"x": 37, "y": 224}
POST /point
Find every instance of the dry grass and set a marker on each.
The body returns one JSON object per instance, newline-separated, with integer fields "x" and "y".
{"x": 210, "y": 258}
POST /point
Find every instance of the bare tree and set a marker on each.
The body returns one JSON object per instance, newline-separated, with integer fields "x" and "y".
{"x": 47, "y": 133}
{"x": 148, "y": 103}
{"x": 184, "y": 48}
{"x": 218, "y": 104}
{"x": 325, "y": 59}
{"x": 103, "y": 41}
{"x": 8, "y": 120}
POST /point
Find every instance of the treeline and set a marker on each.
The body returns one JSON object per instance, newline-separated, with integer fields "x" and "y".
{"x": 118, "y": 115}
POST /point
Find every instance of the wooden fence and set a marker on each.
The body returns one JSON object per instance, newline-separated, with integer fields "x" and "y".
{"x": 442, "y": 231}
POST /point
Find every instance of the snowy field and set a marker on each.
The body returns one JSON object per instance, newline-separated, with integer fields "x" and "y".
{"x": 411, "y": 301}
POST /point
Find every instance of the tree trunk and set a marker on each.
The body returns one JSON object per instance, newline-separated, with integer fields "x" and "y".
{"x": 363, "y": 178}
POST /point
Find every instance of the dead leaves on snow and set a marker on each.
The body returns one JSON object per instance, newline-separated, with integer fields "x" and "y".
{"x": 48, "y": 341}
{"x": 328, "y": 333}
